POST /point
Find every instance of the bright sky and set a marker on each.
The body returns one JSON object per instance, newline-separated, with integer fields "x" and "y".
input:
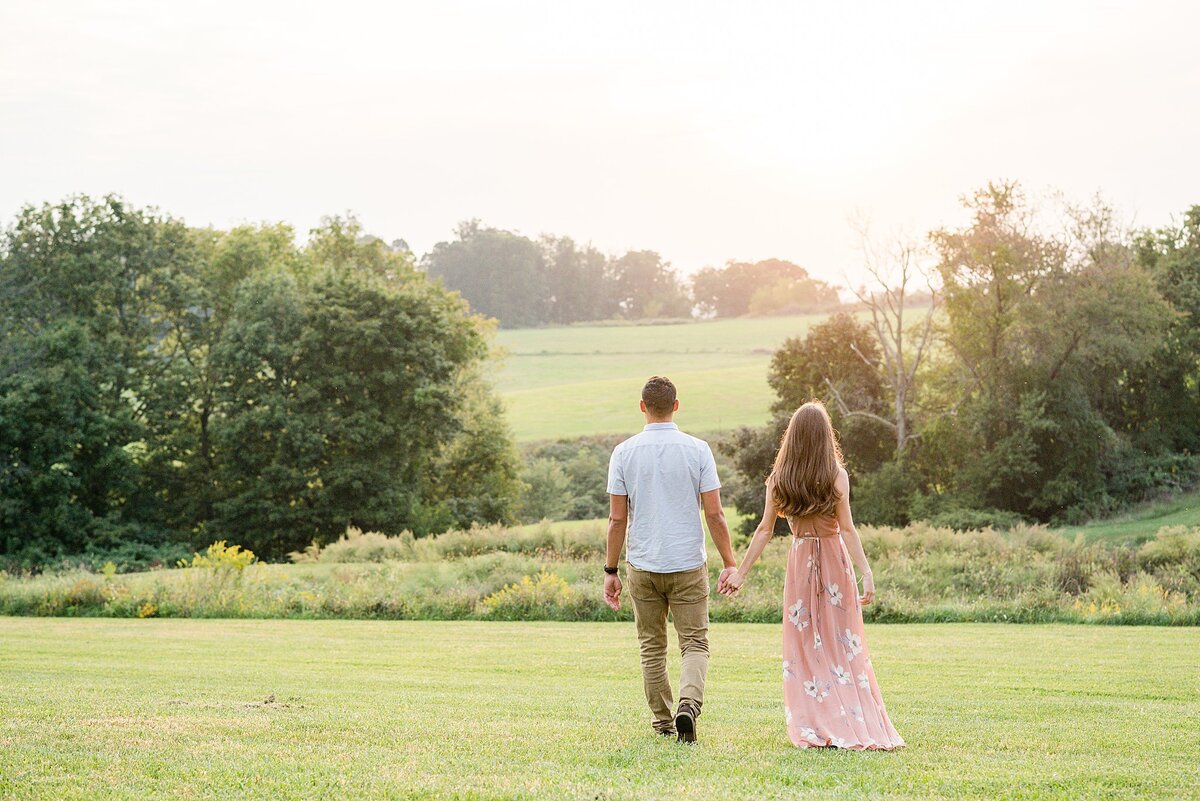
{"x": 706, "y": 131}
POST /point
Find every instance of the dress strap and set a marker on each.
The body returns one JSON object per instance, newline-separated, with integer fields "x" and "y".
{"x": 815, "y": 568}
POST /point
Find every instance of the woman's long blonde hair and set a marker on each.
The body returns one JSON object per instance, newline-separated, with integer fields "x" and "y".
{"x": 806, "y": 467}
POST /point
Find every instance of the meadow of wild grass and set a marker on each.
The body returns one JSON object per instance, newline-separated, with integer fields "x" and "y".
{"x": 551, "y": 572}
{"x": 108, "y": 710}
{"x": 579, "y": 381}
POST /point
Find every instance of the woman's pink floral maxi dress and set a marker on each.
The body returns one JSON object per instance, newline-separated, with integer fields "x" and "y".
{"x": 829, "y": 689}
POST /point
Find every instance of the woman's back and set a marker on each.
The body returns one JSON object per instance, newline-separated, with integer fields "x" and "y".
{"x": 814, "y": 526}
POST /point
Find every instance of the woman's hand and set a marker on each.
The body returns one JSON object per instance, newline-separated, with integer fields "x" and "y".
{"x": 731, "y": 583}
{"x": 868, "y": 593}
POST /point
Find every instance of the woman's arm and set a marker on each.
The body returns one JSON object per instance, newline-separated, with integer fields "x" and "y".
{"x": 851, "y": 538}
{"x": 762, "y": 535}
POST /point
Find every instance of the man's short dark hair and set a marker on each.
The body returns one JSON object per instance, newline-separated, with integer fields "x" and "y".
{"x": 659, "y": 396}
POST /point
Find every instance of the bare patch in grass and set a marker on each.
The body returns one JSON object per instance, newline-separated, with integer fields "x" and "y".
{"x": 270, "y": 702}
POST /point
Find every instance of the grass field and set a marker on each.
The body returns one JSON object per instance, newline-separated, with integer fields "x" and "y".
{"x": 107, "y": 709}
{"x": 582, "y": 380}
{"x": 1142, "y": 520}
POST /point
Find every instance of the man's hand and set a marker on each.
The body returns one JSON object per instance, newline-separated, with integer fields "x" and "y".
{"x": 612, "y": 592}
{"x": 868, "y": 593}
{"x": 730, "y": 581}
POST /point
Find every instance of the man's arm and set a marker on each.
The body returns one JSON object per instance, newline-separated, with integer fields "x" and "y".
{"x": 718, "y": 528}
{"x": 618, "y": 522}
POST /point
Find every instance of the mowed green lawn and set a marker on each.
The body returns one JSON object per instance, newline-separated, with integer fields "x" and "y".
{"x": 582, "y": 380}
{"x": 105, "y": 709}
{"x": 1143, "y": 520}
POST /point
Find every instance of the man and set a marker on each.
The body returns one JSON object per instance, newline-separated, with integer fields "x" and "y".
{"x": 658, "y": 481}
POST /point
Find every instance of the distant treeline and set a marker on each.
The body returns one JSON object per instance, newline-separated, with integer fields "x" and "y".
{"x": 553, "y": 280}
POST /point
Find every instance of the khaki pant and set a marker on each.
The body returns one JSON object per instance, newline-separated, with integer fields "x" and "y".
{"x": 685, "y": 594}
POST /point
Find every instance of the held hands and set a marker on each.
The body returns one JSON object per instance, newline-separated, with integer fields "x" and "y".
{"x": 730, "y": 581}
{"x": 868, "y": 593}
{"x": 612, "y": 592}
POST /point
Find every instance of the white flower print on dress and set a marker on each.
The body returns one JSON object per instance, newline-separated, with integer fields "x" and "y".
{"x": 816, "y": 639}
{"x": 796, "y": 544}
{"x": 838, "y": 742}
{"x": 841, "y": 674}
{"x": 787, "y": 715}
{"x": 863, "y": 681}
{"x": 796, "y": 612}
{"x": 817, "y": 689}
{"x": 835, "y": 594}
{"x": 787, "y": 670}
{"x": 857, "y": 712}
{"x": 811, "y": 560}
{"x": 852, "y": 642}
{"x": 808, "y": 733}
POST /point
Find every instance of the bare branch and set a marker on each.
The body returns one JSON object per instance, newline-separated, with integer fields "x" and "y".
{"x": 903, "y": 347}
{"x": 923, "y": 342}
{"x": 868, "y": 362}
{"x": 846, "y": 411}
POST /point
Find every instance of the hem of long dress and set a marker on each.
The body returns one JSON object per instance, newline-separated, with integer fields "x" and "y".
{"x": 871, "y": 746}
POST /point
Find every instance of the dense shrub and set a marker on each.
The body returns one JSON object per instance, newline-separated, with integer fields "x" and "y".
{"x": 579, "y": 541}
{"x": 544, "y": 596}
{"x": 964, "y": 519}
{"x": 567, "y": 479}
{"x": 883, "y": 498}
{"x": 358, "y": 546}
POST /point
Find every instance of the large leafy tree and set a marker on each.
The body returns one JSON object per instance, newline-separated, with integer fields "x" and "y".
{"x": 580, "y": 283}
{"x": 1162, "y": 408}
{"x": 95, "y": 274}
{"x": 762, "y": 287}
{"x": 198, "y": 306}
{"x": 67, "y": 469}
{"x": 343, "y": 392}
{"x": 1045, "y": 330}
{"x": 835, "y": 358}
{"x": 500, "y": 273}
{"x": 475, "y": 476}
{"x": 646, "y": 287}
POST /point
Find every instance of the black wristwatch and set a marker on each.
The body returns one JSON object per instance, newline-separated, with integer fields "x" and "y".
{"x": 612, "y": 571}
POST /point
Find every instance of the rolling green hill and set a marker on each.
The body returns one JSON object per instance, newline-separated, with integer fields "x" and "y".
{"x": 583, "y": 380}
{"x": 1141, "y": 521}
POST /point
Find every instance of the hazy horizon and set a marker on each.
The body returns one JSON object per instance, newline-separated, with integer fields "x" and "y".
{"x": 707, "y": 133}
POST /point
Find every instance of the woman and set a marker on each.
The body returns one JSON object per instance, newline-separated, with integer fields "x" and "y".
{"x": 829, "y": 688}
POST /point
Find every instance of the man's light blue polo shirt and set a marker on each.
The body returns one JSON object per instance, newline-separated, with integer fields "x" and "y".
{"x": 663, "y": 471}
